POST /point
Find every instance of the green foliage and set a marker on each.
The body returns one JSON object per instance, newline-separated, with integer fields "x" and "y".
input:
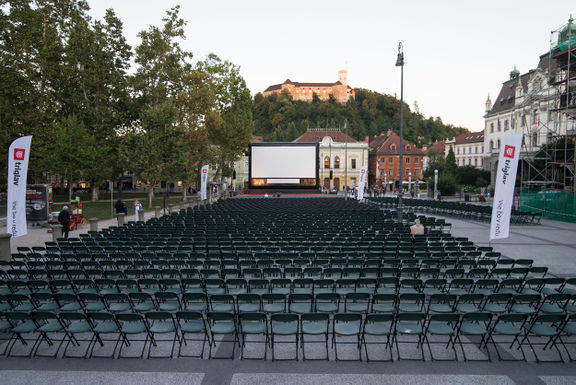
{"x": 73, "y": 149}
{"x": 371, "y": 113}
{"x": 471, "y": 176}
{"x": 451, "y": 166}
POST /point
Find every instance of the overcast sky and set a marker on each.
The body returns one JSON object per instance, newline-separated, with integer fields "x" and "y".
{"x": 456, "y": 51}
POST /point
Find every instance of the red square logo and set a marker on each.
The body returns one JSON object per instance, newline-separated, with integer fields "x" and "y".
{"x": 509, "y": 151}
{"x": 19, "y": 153}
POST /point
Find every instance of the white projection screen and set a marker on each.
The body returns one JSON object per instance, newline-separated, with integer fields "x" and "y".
{"x": 284, "y": 164}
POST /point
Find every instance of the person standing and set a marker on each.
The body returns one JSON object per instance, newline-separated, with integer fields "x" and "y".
{"x": 64, "y": 219}
{"x": 120, "y": 207}
{"x": 137, "y": 207}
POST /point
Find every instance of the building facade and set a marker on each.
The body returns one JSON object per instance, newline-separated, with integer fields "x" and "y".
{"x": 384, "y": 161}
{"x": 468, "y": 149}
{"x": 341, "y": 157}
{"x": 340, "y": 89}
{"x": 531, "y": 104}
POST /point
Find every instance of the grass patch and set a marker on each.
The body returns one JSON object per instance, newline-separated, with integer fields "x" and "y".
{"x": 103, "y": 209}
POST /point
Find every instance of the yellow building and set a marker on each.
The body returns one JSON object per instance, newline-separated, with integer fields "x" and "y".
{"x": 340, "y": 156}
{"x": 340, "y": 90}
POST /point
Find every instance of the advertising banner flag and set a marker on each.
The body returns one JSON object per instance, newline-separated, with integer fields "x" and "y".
{"x": 504, "y": 186}
{"x": 18, "y": 156}
{"x": 203, "y": 182}
{"x": 362, "y": 182}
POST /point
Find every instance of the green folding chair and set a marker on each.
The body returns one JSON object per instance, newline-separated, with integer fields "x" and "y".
{"x": 475, "y": 325}
{"x": 506, "y": 327}
{"x": 442, "y": 325}
{"x": 253, "y": 324}
{"x": 346, "y": 325}
{"x": 378, "y": 325}
{"x": 191, "y": 323}
{"x": 409, "y": 325}
{"x": 161, "y": 323}
{"x": 283, "y": 325}
{"x": 222, "y": 324}
{"x": 132, "y": 324}
{"x": 314, "y": 325}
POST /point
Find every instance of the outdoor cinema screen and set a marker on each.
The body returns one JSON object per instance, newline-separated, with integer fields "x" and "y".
{"x": 284, "y": 165}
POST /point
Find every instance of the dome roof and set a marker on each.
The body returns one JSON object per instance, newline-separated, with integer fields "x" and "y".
{"x": 568, "y": 32}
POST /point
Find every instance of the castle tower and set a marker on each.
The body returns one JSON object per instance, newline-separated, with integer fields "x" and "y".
{"x": 343, "y": 77}
{"x": 488, "y": 104}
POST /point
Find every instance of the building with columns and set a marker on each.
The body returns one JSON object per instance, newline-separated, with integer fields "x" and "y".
{"x": 341, "y": 157}
{"x": 340, "y": 89}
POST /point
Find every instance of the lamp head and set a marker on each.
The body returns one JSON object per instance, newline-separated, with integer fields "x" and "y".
{"x": 400, "y": 58}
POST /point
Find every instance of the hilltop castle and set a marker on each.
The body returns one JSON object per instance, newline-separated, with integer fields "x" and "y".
{"x": 340, "y": 90}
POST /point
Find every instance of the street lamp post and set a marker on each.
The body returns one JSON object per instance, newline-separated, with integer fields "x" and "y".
{"x": 400, "y": 63}
{"x": 409, "y": 184}
{"x": 346, "y": 161}
{"x": 435, "y": 184}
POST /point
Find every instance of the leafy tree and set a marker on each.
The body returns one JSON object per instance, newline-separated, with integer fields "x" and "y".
{"x": 72, "y": 150}
{"x": 34, "y": 35}
{"x": 234, "y": 104}
{"x": 159, "y": 79}
{"x": 451, "y": 166}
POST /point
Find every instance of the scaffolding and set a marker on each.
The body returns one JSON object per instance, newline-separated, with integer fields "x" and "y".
{"x": 548, "y": 172}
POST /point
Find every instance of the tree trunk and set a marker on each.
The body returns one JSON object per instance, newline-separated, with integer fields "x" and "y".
{"x": 69, "y": 191}
{"x": 184, "y": 192}
{"x": 95, "y": 192}
{"x": 150, "y": 196}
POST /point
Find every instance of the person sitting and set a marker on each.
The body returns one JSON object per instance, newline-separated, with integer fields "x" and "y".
{"x": 416, "y": 228}
{"x": 64, "y": 219}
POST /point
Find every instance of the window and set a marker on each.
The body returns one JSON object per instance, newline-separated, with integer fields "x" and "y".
{"x": 381, "y": 172}
{"x": 326, "y": 162}
{"x": 491, "y": 144}
{"x": 383, "y": 160}
{"x": 535, "y": 139}
{"x": 498, "y": 144}
{"x": 499, "y": 128}
{"x": 415, "y": 172}
{"x": 407, "y": 148}
{"x": 353, "y": 163}
{"x": 506, "y": 125}
{"x": 389, "y": 172}
{"x": 391, "y": 160}
{"x": 523, "y": 121}
{"x": 393, "y": 147}
{"x": 416, "y": 160}
{"x": 458, "y": 151}
{"x": 407, "y": 160}
{"x": 337, "y": 162}
{"x": 491, "y": 127}
{"x": 353, "y": 181}
{"x": 475, "y": 161}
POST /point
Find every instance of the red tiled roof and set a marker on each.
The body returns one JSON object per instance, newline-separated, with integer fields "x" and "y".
{"x": 437, "y": 147}
{"x": 317, "y": 136}
{"x": 470, "y": 137}
{"x": 383, "y": 145}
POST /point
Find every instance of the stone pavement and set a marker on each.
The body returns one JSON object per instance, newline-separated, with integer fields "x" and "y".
{"x": 551, "y": 244}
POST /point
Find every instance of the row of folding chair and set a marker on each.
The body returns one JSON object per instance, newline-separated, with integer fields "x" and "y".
{"x": 372, "y": 329}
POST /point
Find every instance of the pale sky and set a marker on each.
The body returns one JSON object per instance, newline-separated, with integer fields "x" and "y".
{"x": 456, "y": 51}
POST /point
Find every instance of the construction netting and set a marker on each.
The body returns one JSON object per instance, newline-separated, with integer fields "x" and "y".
{"x": 553, "y": 204}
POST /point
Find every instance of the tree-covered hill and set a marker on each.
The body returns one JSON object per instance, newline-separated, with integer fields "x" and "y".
{"x": 280, "y": 118}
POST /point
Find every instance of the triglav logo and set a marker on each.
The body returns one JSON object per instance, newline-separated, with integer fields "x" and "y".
{"x": 19, "y": 153}
{"x": 509, "y": 151}
{"x": 204, "y": 171}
